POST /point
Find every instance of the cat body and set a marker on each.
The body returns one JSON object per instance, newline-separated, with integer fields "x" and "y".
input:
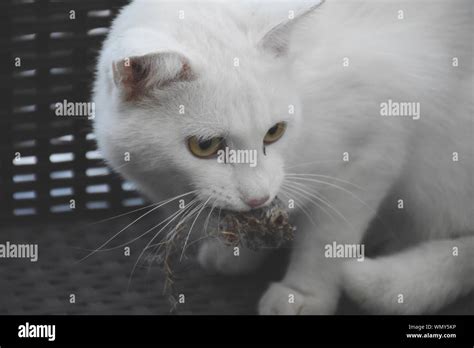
{"x": 376, "y": 102}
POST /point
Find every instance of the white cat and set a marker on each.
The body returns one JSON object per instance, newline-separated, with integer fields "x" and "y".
{"x": 359, "y": 111}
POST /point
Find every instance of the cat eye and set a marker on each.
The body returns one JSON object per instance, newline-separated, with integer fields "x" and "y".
{"x": 275, "y": 133}
{"x": 205, "y": 148}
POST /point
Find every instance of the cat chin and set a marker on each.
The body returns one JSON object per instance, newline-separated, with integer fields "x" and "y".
{"x": 244, "y": 208}
{"x": 232, "y": 207}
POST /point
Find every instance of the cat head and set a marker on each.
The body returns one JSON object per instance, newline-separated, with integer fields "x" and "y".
{"x": 221, "y": 125}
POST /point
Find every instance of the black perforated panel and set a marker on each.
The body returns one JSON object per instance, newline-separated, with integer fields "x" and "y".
{"x": 48, "y": 51}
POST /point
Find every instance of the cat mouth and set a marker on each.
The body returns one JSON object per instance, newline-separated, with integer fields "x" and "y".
{"x": 245, "y": 208}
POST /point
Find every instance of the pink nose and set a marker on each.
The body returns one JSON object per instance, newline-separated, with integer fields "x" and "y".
{"x": 256, "y": 202}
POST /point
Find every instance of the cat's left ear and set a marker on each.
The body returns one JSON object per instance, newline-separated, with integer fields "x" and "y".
{"x": 136, "y": 76}
{"x": 277, "y": 39}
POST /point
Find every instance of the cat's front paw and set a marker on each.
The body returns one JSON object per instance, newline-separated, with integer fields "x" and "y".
{"x": 216, "y": 257}
{"x": 283, "y": 300}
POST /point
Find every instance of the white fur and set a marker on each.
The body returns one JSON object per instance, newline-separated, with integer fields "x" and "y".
{"x": 337, "y": 111}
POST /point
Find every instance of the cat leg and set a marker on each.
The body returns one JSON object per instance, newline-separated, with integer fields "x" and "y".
{"x": 312, "y": 284}
{"x": 421, "y": 279}
{"x": 217, "y": 257}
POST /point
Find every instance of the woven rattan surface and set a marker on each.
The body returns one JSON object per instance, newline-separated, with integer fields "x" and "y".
{"x": 48, "y": 51}
{"x": 101, "y": 282}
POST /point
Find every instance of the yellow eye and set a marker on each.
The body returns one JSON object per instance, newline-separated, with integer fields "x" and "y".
{"x": 205, "y": 148}
{"x": 275, "y": 133}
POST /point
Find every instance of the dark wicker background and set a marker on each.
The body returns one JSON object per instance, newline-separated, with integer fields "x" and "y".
{"x": 58, "y": 159}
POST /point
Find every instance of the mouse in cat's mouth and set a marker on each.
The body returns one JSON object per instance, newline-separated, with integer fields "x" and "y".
{"x": 262, "y": 228}
{"x": 266, "y": 227}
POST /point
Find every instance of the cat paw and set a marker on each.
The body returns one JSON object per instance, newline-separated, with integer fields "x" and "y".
{"x": 217, "y": 258}
{"x": 280, "y": 299}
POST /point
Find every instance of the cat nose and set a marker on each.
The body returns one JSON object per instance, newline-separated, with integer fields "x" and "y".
{"x": 257, "y": 202}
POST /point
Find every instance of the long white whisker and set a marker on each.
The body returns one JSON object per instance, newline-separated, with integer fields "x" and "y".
{"x": 329, "y": 205}
{"x": 303, "y": 209}
{"x": 172, "y": 232}
{"x": 130, "y": 212}
{"x": 206, "y": 224}
{"x": 324, "y": 176}
{"x": 192, "y": 225}
{"x": 312, "y": 162}
{"x": 305, "y": 195}
{"x": 352, "y": 194}
{"x": 186, "y": 212}
{"x": 120, "y": 215}
{"x": 151, "y": 241}
{"x": 308, "y": 197}
{"x": 199, "y": 239}
{"x": 133, "y": 222}
{"x": 148, "y": 231}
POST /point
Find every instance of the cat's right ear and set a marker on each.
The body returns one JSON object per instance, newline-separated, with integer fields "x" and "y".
{"x": 136, "y": 76}
{"x": 277, "y": 39}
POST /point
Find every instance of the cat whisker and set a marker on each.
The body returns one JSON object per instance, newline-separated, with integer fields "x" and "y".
{"x": 146, "y": 232}
{"x": 352, "y": 194}
{"x": 312, "y": 162}
{"x": 324, "y": 176}
{"x": 123, "y": 214}
{"x": 167, "y": 244}
{"x": 284, "y": 190}
{"x": 329, "y": 205}
{"x": 122, "y": 165}
{"x": 178, "y": 213}
{"x": 169, "y": 238}
{"x": 173, "y": 232}
{"x": 206, "y": 223}
{"x": 133, "y": 222}
{"x": 197, "y": 240}
{"x": 191, "y": 228}
{"x": 373, "y": 211}
{"x": 219, "y": 216}
{"x": 308, "y": 198}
